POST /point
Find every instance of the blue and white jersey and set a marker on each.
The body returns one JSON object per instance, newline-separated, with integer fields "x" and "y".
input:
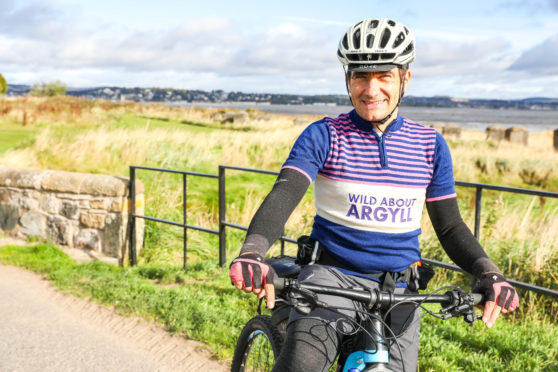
{"x": 370, "y": 189}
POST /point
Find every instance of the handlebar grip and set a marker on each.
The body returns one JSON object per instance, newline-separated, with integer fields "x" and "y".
{"x": 478, "y": 298}
{"x": 278, "y": 283}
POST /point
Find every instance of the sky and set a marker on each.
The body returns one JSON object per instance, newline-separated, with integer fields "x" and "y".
{"x": 500, "y": 49}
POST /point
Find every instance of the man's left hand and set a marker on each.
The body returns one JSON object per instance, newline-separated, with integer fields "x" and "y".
{"x": 499, "y": 296}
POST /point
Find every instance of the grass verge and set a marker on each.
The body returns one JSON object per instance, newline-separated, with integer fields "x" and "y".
{"x": 200, "y": 304}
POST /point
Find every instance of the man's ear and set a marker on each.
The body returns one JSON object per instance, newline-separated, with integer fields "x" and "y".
{"x": 407, "y": 78}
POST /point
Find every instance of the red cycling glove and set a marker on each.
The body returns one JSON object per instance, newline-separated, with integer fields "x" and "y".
{"x": 496, "y": 289}
{"x": 251, "y": 270}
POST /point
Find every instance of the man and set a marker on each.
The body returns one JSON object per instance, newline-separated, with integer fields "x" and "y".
{"x": 373, "y": 171}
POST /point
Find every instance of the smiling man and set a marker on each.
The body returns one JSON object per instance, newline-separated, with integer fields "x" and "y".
{"x": 373, "y": 172}
{"x": 376, "y": 95}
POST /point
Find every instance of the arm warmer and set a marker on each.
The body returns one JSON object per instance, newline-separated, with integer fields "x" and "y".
{"x": 456, "y": 238}
{"x": 270, "y": 219}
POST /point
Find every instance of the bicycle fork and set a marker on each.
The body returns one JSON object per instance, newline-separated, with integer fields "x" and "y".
{"x": 374, "y": 353}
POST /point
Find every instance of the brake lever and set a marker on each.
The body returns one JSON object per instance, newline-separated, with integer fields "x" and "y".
{"x": 304, "y": 301}
{"x": 462, "y": 304}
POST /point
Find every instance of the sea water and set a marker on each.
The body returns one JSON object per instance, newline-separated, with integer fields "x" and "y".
{"x": 467, "y": 118}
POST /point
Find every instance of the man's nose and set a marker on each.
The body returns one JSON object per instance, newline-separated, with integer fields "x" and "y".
{"x": 371, "y": 87}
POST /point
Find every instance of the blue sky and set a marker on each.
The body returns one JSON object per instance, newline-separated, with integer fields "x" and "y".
{"x": 469, "y": 49}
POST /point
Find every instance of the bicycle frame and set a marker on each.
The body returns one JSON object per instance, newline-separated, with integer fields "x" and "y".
{"x": 376, "y": 350}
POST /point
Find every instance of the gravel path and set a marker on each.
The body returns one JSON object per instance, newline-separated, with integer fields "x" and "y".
{"x": 44, "y": 330}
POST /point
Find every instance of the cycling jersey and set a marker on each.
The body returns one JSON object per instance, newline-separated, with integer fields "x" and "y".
{"x": 370, "y": 189}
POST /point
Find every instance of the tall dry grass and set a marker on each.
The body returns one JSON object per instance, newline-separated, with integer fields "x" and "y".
{"x": 520, "y": 233}
{"x": 477, "y": 159}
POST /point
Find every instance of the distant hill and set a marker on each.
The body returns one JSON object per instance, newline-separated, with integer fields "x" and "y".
{"x": 168, "y": 95}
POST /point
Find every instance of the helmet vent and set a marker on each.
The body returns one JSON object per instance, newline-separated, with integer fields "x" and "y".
{"x": 408, "y": 50}
{"x": 391, "y": 23}
{"x": 373, "y": 25}
{"x": 345, "y": 42}
{"x": 387, "y": 56}
{"x": 369, "y": 41}
{"x": 398, "y": 40}
{"x": 359, "y": 57}
{"x": 356, "y": 39}
{"x": 385, "y": 38}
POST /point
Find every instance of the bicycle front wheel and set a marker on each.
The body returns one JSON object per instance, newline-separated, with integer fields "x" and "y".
{"x": 257, "y": 347}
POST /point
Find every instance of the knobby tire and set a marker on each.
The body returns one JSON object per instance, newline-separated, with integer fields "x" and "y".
{"x": 257, "y": 347}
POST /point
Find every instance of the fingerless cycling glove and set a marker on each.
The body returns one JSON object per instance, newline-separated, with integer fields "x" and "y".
{"x": 251, "y": 270}
{"x": 496, "y": 289}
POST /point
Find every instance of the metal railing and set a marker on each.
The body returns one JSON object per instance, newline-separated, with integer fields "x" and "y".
{"x": 184, "y": 225}
{"x": 223, "y": 223}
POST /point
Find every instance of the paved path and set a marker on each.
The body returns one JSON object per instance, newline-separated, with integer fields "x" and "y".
{"x": 44, "y": 330}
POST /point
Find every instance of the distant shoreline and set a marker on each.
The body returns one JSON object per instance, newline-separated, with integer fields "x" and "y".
{"x": 467, "y": 118}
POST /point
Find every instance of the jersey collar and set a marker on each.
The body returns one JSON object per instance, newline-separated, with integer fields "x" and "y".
{"x": 365, "y": 125}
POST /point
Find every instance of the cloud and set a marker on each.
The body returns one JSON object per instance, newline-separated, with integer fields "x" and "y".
{"x": 443, "y": 57}
{"x": 214, "y": 47}
{"x": 292, "y": 55}
{"x": 37, "y": 20}
{"x": 531, "y": 7}
{"x": 211, "y": 44}
{"x": 540, "y": 59}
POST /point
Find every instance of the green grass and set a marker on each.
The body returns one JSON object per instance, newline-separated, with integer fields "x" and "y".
{"x": 453, "y": 345}
{"x": 201, "y": 304}
{"x": 15, "y": 138}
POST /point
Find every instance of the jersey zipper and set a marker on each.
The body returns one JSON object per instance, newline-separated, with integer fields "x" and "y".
{"x": 382, "y": 148}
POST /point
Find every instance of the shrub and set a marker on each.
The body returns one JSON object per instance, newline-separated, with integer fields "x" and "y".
{"x": 3, "y": 85}
{"x": 535, "y": 173}
{"x": 54, "y": 88}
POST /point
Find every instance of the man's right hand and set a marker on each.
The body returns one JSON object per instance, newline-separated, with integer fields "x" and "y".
{"x": 250, "y": 273}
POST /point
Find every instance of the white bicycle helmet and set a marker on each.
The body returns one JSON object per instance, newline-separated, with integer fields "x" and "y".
{"x": 376, "y": 44}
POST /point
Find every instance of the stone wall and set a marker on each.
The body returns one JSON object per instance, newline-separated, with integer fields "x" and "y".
{"x": 518, "y": 135}
{"x": 496, "y": 133}
{"x": 449, "y": 131}
{"x": 75, "y": 210}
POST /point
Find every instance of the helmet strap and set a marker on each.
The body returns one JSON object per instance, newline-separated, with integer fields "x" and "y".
{"x": 347, "y": 84}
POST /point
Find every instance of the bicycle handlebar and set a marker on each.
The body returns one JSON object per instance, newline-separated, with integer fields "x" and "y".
{"x": 454, "y": 300}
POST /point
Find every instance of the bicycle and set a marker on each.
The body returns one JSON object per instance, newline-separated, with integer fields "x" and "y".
{"x": 262, "y": 337}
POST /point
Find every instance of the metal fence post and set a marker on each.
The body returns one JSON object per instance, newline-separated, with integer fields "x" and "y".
{"x": 478, "y": 206}
{"x": 185, "y": 217}
{"x": 222, "y": 217}
{"x": 132, "y": 216}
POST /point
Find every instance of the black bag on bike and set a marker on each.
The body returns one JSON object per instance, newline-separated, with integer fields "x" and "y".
{"x": 308, "y": 250}
{"x": 426, "y": 272}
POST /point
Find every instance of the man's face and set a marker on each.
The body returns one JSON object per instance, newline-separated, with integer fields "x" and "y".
{"x": 375, "y": 94}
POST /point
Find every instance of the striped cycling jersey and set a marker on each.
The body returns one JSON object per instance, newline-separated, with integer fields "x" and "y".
{"x": 370, "y": 189}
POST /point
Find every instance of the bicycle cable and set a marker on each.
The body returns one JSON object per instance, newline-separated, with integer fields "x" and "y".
{"x": 358, "y": 326}
{"x": 417, "y": 304}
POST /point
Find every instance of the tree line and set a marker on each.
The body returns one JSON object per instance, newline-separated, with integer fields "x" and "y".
{"x": 41, "y": 89}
